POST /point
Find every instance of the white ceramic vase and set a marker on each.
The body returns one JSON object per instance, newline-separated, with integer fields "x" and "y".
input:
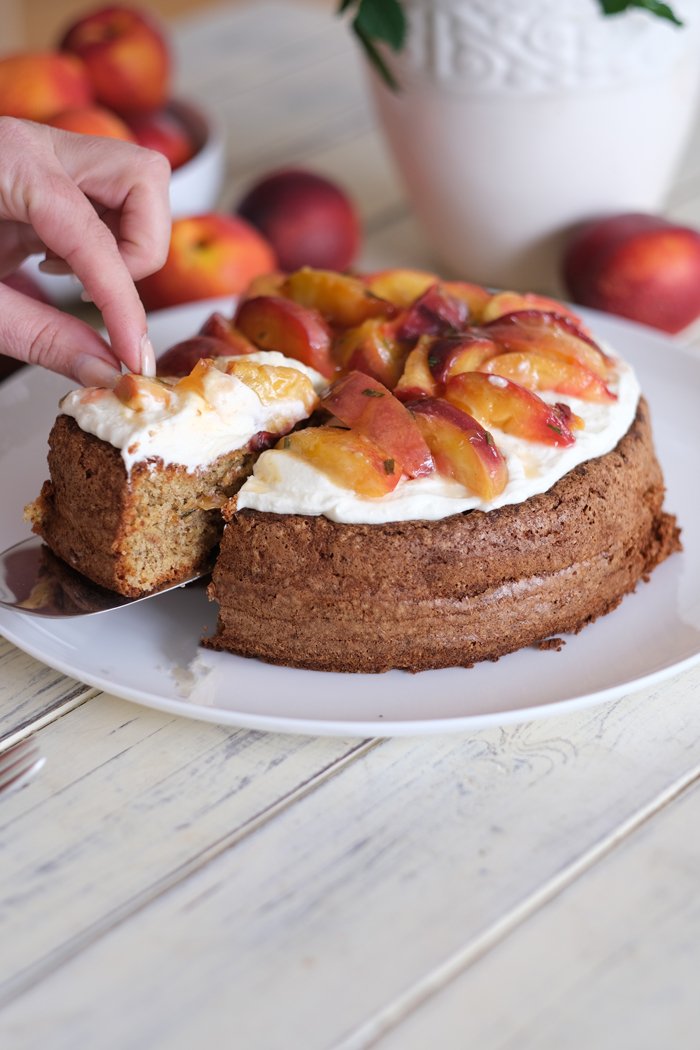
{"x": 517, "y": 119}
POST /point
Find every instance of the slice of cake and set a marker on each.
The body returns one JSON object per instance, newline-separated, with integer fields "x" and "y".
{"x": 497, "y": 487}
{"x": 138, "y": 475}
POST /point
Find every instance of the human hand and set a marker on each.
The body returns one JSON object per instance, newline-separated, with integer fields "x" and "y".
{"x": 100, "y": 209}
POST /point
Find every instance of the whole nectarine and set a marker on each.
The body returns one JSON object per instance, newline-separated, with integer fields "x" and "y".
{"x": 307, "y": 218}
{"x": 92, "y": 120}
{"x": 37, "y": 85}
{"x": 210, "y": 255}
{"x": 639, "y": 266}
{"x": 164, "y": 132}
{"x": 126, "y": 57}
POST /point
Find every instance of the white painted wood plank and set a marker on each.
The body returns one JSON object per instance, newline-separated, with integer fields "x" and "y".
{"x": 612, "y": 962}
{"x": 130, "y": 800}
{"x": 31, "y": 694}
{"x": 344, "y": 903}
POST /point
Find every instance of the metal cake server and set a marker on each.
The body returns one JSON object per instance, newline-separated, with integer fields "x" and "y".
{"x": 34, "y": 581}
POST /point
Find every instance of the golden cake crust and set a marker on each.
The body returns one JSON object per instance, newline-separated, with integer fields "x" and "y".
{"x": 309, "y": 592}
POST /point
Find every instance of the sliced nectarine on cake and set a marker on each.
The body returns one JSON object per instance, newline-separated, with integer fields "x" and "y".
{"x": 180, "y": 359}
{"x": 370, "y": 408}
{"x": 341, "y": 299}
{"x": 349, "y": 459}
{"x": 274, "y": 323}
{"x": 416, "y": 379}
{"x": 272, "y": 382}
{"x": 543, "y": 370}
{"x": 499, "y": 402}
{"x": 400, "y": 287}
{"x": 371, "y": 347}
{"x": 217, "y": 326}
{"x": 474, "y": 295}
{"x": 512, "y": 302}
{"x": 140, "y": 392}
{"x": 435, "y": 312}
{"x": 461, "y": 447}
{"x": 539, "y": 330}
{"x": 459, "y": 353}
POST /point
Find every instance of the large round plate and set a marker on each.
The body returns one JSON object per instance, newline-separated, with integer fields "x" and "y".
{"x": 149, "y": 652}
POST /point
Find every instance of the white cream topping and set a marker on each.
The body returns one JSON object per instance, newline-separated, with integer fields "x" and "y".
{"x": 190, "y": 428}
{"x": 283, "y": 483}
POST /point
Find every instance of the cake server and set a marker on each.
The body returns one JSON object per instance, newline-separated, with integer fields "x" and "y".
{"x": 34, "y": 581}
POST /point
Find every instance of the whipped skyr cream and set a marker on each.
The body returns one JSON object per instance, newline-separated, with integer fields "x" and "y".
{"x": 192, "y": 425}
{"x": 283, "y": 483}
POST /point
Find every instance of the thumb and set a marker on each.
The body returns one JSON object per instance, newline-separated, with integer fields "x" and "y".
{"x": 41, "y": 335}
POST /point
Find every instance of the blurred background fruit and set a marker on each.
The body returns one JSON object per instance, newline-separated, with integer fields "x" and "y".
{"x": 639, "y": 266}
{"x": 165, "y": 131}
{"x": 210, "y": 255}
{"x": 38, "y": 85}
{"x": 92, "y": 120}
{"x": 309, "y": 220}
{"x": 126, "y": 56}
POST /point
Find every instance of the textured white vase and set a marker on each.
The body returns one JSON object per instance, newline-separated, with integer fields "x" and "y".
{"x": 518, "y": 119}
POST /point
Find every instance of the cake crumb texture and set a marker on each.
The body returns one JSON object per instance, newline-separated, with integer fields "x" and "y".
{"x": 131, "y": 533}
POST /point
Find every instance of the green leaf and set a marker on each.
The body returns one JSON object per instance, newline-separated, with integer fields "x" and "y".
{"x": 654, "y": 7}
{"x": 382, "y": 20}
{"x": 375, "y": 58}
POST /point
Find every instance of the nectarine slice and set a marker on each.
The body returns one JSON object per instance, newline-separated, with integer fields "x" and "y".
{"x": 341, "y": 299}
{"x": 272, "y": 382}
{"x": 273, "y": 323}
{"x": 435, "y": 312}
{"x": 140, "y": 392}
{"x": 539, "y": 330}
{"x": 349, "y": 459}
{"x": 499, "y": 402}
{"x": 372, "y": 348}
{"x": 541, "y": 370}
{"x": 461, "y": 447}
{"x": 513, "y": 302}
{"x": 219, "y": 327}
{"x": 416, "y": 379}
{"x": 459, "y": 353}
{"x": 474, "y": 295}
{"x": 400, "y": 287}
{"x": 180, "y": 359}
{"x": 370, "y": 408}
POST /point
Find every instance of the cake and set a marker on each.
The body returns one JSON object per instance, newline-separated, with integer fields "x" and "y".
{"x": 479, "y": 474}
{"x": 348, "y": 550}
{"x": 138, "y": 474}
{"x": 307, "y": 591}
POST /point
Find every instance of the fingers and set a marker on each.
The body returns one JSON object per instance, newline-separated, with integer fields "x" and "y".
{"x": 69, "y": 226}
{"x": 132, "y": 186}
{"x": 74, "y": 190}
{"x": 39, "y": 334}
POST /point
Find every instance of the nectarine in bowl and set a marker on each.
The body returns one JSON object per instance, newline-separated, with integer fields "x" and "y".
{"x": 194, "y": 187}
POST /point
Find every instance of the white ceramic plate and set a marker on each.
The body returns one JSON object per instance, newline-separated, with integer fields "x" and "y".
{"x": 149, "y": 652}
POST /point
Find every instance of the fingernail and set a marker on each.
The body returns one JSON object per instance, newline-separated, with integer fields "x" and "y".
{"x": 93, "y": 371}
{"x": 148, "y": 356}
{"x": 55, "y": 266}
{"x": 85, "y": 296}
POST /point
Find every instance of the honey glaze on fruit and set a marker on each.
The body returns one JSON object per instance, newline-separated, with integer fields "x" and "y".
{"x": 450, "y": 399}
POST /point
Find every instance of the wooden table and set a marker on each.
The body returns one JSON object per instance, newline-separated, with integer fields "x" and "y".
{"x": 168, "y": 883}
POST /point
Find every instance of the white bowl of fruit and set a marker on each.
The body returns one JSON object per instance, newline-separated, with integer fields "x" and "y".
{"x": 110, "y": 75}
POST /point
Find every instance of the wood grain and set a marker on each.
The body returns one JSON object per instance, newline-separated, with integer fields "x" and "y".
{"x": 369, "y": 894}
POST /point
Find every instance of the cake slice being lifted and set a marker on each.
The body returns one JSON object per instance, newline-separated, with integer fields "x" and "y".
{"x": 138, "y": 475}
